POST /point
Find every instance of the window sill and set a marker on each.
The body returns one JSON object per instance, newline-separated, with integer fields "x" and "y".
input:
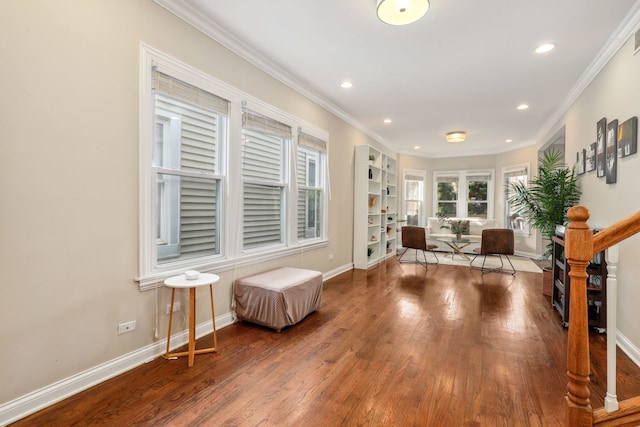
{"x": 154, "y": 280}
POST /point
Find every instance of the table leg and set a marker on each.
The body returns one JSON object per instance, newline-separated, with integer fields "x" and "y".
{"x": 191, "y": 351}
{"x": 173, "y": 294}
{"x": 192, "y": 325}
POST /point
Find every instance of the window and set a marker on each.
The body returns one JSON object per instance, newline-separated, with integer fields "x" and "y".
{"x": 512, "y": 219}
{"x": 189, "y": 126}
{"x": 477, "y": 195}
{"x": 265, "y": 143}
{"x": 310, "y": 167}
{"x": 224, "y": 182}
{"x": 464, "y": 194}
{"x": 413, "y": 205}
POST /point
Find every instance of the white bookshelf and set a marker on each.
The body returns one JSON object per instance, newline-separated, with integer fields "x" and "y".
{"x": 375, "y": 205}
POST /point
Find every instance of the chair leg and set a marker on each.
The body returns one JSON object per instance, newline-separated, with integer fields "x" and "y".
{"x": 500, "y": 269}
{"x": 513, "y": 270}
{"x": 471, "y": 262}
{"x": 436, "y": 256}
{"x": 402, "y": 254}
{"x": 424, "y": 255}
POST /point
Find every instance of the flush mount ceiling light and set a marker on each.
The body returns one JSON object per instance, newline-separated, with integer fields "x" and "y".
{"x": 522, "y": 107}
{"x": 455, "y": 137}
{"x": 346, "y": 84}
{"x": 401, "y": 12}
{"x": 544, "y": 48}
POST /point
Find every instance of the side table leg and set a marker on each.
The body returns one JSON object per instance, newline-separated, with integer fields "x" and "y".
{"x": 213, "y": 319}
{"x": 173, "y": 294}
{"x": 192, "y": 325}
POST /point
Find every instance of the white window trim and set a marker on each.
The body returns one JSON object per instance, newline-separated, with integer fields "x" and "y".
{"x": 462, "y": 201}
{"x": 423, "y": 174}
{"x": 526, "y": 167}
{"x": 231, "y": 255}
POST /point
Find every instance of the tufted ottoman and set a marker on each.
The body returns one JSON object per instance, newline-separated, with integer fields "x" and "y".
{"x": 278, "y": 298}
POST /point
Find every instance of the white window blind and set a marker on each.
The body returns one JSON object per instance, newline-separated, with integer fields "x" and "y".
{"x": 190, "y": 123}
{"x": 310, "y": 176}
{"x": 264, "y": 149}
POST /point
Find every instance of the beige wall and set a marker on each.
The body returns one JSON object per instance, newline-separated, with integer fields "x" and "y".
{"x": 614, "y": 94}
{"x": 69, "y": 215}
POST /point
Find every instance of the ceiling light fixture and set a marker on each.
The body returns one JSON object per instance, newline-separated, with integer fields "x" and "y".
{"x": 401, "y": 12}
{"x": 455, "y": 137}
{"x": 508, "y": 141}
{"x": 387, "y": 121}
{"x": 522, "y": 107}
{"x": 543, "y": 48}
{"x": 416, "y": 147}
{"x": 346, "y": 85}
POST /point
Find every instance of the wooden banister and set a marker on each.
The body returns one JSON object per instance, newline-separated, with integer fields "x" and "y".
{"x": 617, "y": 232}
{"x": 580, "y": 246}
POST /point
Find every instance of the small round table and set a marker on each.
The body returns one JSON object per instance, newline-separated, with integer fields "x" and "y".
{"x": 181, "y": 282}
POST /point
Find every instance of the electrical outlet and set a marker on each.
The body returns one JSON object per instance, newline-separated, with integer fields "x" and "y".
{"x": 176, "y": 307}
{"x": 330, "y": 257}
{"x": 123, "y": 328}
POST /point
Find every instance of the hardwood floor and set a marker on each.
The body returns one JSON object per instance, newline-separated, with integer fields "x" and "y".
{"x": 392, "y": 346}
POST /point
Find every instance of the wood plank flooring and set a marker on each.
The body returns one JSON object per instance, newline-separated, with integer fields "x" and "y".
{"x": 392, "y": 346}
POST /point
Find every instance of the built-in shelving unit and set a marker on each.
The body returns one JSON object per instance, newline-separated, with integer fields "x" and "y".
{"x": 596, "y": 286}
{"x": 375, "y": 204}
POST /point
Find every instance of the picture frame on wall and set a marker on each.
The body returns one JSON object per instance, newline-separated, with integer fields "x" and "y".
{"x": 601, "y": 130}
{"x": 628, "y": 137}
{"x": 612, "y": 152}
{"x": 590, "y": 158}
{"x": 580, "y": 160}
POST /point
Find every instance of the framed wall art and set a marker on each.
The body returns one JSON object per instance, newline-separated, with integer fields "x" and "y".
{"x": 628, "y": 137}
{"x": 600, "y": 148}
{"x": 580, "y": 161}
{"x": 590, "y": 158}
{"x": 612, "y": 152}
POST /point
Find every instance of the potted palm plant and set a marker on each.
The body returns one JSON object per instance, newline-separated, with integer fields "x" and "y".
{"x": 547, "y": 198}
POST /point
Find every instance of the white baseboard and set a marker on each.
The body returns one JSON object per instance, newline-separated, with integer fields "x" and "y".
{"x": 53, "y": 393}
{"x": 628, "y": 348}
{"x": 333, "y": 273}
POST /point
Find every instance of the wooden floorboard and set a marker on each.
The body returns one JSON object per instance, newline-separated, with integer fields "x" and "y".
{"x": 391, "y": 346}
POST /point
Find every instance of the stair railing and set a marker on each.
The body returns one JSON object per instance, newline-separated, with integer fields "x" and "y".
{"x": 580, "y": 246}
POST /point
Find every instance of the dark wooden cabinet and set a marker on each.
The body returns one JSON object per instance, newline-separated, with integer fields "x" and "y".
{"x": 596, "y": 286}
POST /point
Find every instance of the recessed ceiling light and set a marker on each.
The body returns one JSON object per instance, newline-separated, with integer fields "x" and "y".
{"x": 387, "y": 121}
{"x": 346, "y": 85}
{"x": 416, "y": 147}
{"x": 508, "y": 140}
{"x": 522, "y": 107}
{"x": 543, "y": 48}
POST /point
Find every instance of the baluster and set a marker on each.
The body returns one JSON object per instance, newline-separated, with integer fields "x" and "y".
{"x": 611, "y": 400}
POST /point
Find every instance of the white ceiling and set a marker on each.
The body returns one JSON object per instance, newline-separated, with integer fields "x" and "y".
{"x": 465, "y": 65}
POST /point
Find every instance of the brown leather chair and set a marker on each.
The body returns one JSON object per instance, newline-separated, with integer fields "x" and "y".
{"x": 415, "y": 238}
{"x": 495, "y": 241}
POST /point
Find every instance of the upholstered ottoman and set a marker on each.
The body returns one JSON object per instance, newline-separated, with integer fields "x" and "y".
{"x": 278, "y": 298}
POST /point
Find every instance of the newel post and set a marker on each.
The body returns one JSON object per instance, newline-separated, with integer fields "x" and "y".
{"x": 579, "y": 251}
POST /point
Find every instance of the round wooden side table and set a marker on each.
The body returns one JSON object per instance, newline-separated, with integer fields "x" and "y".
{"x": 181, "y": 282}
